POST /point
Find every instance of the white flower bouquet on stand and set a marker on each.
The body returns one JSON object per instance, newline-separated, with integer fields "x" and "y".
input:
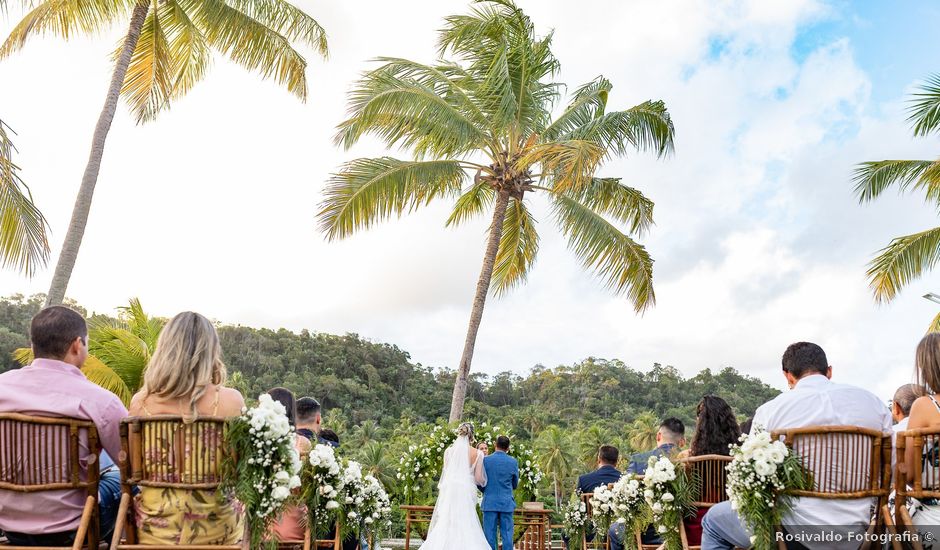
{"x": 262, "y": 466}
{"x": 323, "y": 482}
{"x": 575, "y": 518}
{"x": 669, "y": 496}
{"x": 760, "y": 470}
{"x": 366, "y": 505}
{"x": 623, "y": 503}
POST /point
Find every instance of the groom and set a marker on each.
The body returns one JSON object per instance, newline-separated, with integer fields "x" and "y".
{"x": 502, "y": 478}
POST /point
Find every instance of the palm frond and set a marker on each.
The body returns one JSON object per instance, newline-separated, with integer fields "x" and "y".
{"x": 569, "y": 164}
{"x": 645, "y": 127}
{"x": 148, "y": 84}
{"x": 188, "y": 48}
{"x": 518, "y": 247}
{"x": 623, "y": 264}
{"x": 902, "y": 261}
{"x": 65, "y": 18}
{"x": 252, "y": 45}
{"x": 934, "y": 324}
{"x": 872, "y": 178}
{"x": 407, "y": 106}
{"x": 286, "y": 19}
{"x": 23, "y": 356}
{"x": 23, "y": 229}
{"x": 588, "y": 102}
{"x": 366, "y": 191}
{"x": 925, "y": 107}
{"x": 610, "y": 197}
{"x": 99, "y": 373}
{"x": 472, "y": 203}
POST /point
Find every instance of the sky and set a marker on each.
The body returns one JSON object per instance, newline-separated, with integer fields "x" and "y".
{"x": 758, "y": 242}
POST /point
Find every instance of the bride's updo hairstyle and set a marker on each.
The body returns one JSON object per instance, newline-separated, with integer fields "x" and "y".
{"x": 465, "y": 429}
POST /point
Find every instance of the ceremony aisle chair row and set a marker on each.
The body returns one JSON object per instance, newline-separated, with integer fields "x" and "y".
{"x": 40, "y": 454}
{"x": 189, "y": 457}
{"x": 922, "y": 483}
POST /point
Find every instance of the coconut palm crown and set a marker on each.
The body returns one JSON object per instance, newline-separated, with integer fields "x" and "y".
{"x": 481, "y": 131}
{"x": 23, "y": 229}
{"x": 906, "y": 258}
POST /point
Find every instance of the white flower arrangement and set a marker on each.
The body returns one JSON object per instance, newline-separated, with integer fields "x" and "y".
{"x": 624, "y": 503}
{"x": 760, "y": 470}
{"x": 575, "y": 518}
{"x": 323, "y": 482}
{"x": 668, "y": 498}
{"x": 366, "y": 504}
{"x": 268, "y": 467}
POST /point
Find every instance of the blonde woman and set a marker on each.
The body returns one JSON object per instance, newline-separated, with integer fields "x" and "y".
{"x": 185, "y": 377}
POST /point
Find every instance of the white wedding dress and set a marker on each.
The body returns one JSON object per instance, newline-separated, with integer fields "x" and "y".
{"x": 455, "y": 524}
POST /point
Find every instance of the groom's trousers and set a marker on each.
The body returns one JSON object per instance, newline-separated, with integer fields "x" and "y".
{"x": 502, "y": 521}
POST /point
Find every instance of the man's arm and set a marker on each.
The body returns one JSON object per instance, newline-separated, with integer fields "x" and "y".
{"x": 515, "y": 477}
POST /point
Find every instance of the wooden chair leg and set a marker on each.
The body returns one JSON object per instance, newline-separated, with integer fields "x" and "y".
{"x": 119, "y": 523}
{"x": 84, "y": 525}
{"x": 307, "y": 538}
{"x": 905, "y": 522}
{"x": 890, "y": 527}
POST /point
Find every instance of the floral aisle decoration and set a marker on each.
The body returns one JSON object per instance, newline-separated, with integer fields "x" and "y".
{"x": 669, "y": 495}
{"x": 760, "y": 471}
{"x": 262, "y": 466}
{"x": 365, "y": 503}
{"x": 623, "y": 503}
{"x": 323, "y": 483}
{"x": 421, "y": 465}
{"x": 574, "y": 518}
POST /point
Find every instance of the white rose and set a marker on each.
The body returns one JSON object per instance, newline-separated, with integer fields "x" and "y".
{"x": 332, "y": 505}
{"x": 280, "y": 493}
{"x": 667, "y": 497}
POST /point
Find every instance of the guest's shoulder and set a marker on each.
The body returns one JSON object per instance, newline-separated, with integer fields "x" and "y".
{"x": 231, "y": 401}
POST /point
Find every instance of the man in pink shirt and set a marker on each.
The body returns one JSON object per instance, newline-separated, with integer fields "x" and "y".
{"x": 54, "y": 386}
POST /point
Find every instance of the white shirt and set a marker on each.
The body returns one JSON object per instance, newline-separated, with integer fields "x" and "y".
{"x": 817, "y": 401}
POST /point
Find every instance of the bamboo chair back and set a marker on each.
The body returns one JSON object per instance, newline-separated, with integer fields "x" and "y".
{"x": 922, "y": 482}
{"x": 844, "y": 462}
{"x": 589, "y": 512}
{"x": 166, "y": 451}
{"x": 710, "y": 474}
{"x": 52, "y": 454}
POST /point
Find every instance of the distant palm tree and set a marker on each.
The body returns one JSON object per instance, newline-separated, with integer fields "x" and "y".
{"x": 590, "y": 442}
{"x": 642, "y": 433}
{"x": 118, "y": 350}
{"x": 167, "y": 50}
{"x": 376, "y": 461}
{"x": 557, "y": 456}
{"x": 23, "y": 242}
{"x": 906, "y": 258}
{"x": 489, "y": 113}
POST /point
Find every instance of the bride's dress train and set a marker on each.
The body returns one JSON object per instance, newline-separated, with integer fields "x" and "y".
{"x": 455, "y": 524}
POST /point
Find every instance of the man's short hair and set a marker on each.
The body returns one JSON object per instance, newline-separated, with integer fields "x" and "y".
{"x": 673, "y": 428}
{"x": 905, "y": 397}
{"x": 502, "y": 443}
{"x": 608, "y": 454}
{"x": 307, "y": 409}
{"x": 803, "y": 358}
{"x": 53, "y": 330}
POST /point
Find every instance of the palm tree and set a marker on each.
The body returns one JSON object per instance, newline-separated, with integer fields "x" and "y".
{"x": 376, "y": 461}
{"x": 23, "y": 242}
{"x": 557, "y": 456}
{"x": 118, "y": 350}
{"x": 488, "y": 113}
{"x": 167, "y": 50}
{"x": 642, "y": 433}
{"x": 589, "y": 443}
{"x": 906, "y": 258}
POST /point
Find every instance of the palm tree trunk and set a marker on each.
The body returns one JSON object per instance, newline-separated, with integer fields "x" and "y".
{"x": 73, "y": 237}
{"x": 479, "y": 300}
{"x": 557, "y": 494}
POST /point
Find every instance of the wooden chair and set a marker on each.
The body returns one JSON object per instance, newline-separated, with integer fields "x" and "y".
{"x": 921, "y": 483}
{"x": 143, "y": 435}
{"x": 44, "y": 454}
{"x": 307, "y": 544}
{"x": 585, "y": 544}
{"x": 844, "y": 462}
{"x": 709, "y": 472}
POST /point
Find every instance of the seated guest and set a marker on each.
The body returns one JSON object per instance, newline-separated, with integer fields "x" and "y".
{"x": 813, "y": 400}
{"x": 669, "y": 438}
{"x": 716, "y": 429}
{"x": 290, "y": 526}
{"x": 53, "y": 385}
{"x": 901, "y": 405}
{"x": 185, "y": 377}
{"x": 606, "y": 473}
{"x": 925, "y": 413}
{"x": 309, "y": 418}
{"x": 329, "y": 437}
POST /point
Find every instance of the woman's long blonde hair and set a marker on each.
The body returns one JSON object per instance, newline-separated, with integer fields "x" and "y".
{"x": 927, "y": 361}
{"x": 187, "y": 360}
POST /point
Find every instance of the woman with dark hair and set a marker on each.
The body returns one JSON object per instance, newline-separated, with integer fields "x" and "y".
{"x": 716, "y": 429}
{"x": 290, "y": 526}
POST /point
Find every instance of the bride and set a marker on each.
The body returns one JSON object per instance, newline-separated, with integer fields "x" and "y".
{"x": 455, "y": 523}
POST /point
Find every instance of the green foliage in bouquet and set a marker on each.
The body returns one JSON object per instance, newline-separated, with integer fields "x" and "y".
{"x": 670, "y": 492}
{"x": 574, "y": 518}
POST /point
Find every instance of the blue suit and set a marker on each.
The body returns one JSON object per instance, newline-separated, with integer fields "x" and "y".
{"x": 640, "y": 461}
{"x": 588, "y": 482}
{"x": 502, "y": 478}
